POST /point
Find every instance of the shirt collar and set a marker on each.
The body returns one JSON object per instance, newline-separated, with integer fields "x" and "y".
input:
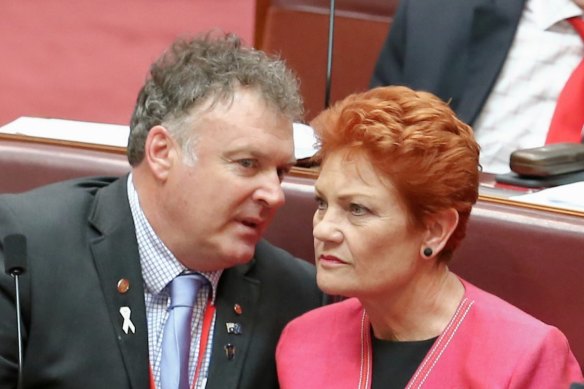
{"x": 159, "y": 265}
{"x": 547, "y": 13}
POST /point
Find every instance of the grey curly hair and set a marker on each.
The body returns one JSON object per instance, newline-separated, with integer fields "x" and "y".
{"x": 206, "y": 68}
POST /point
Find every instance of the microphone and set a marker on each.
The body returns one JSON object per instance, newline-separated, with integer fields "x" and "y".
{"x": 15, "y": 254}
{"x": 15, "y": 266}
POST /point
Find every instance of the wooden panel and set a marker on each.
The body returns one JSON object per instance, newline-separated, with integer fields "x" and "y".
{"x": 298, "y": 30}
{"x": 301, "y": 38}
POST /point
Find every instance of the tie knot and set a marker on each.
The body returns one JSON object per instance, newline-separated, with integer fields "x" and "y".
{"x": 184, "y": 288}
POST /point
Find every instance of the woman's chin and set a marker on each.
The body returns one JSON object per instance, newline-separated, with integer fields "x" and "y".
{"x": 333, "y": 287}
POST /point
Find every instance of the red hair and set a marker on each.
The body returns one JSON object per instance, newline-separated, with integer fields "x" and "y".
{"x": 413, "y": 139}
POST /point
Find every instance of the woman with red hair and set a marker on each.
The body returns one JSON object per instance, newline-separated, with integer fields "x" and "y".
{"x": 399, "y": 174}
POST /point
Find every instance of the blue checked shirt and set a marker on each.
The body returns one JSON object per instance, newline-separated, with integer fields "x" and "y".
{"x": 159, "y": 267}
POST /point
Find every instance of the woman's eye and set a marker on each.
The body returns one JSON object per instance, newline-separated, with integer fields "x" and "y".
{"x": 358, "y": 210}
{"x": 320, "y": 203}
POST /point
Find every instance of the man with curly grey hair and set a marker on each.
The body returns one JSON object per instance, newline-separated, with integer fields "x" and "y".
{"x": 210, "y": 140}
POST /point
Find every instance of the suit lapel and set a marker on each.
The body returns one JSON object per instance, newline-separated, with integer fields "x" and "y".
{"x": 235, "y": 288}
{"x": 492, "y": 32}
{"x": 116, "y": 258}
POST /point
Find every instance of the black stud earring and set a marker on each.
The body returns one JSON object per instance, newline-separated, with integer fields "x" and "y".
{"x": 428, "y": 252}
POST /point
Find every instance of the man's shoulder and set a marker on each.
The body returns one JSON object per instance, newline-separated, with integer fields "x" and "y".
{"x": 71, "y": 186}
{"x": 345, "y": 311}
{"x": 54, "y": 200}
{"x": 277, "y": 268}
{"x": 268, "y": 255}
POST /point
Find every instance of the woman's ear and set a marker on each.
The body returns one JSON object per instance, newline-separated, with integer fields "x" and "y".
{"x": 439, "y": 228}
{"x": 160, "y": 152}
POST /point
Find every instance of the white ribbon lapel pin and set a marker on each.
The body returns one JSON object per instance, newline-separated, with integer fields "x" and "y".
{"x": 127, "y": 324}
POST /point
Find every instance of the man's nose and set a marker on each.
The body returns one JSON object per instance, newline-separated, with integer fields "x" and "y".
{"x": 270, "y": 192}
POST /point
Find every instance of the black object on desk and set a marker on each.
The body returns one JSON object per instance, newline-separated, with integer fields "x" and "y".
{"x": 546, "y": 166}
{"x": 515, "y": 179}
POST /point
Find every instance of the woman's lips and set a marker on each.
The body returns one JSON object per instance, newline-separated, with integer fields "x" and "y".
{"x": 331, "y": 259}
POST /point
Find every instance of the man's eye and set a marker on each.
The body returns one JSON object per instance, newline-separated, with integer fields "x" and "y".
{"x": 247, "y": 163}
{"x": 282, "y": 173}
{"x": 358, "y": 210}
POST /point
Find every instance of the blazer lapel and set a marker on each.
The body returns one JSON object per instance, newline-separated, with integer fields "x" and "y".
{"x": 492, "y": 32}
{"x": 117, "y": 261}
{"x": 237, "y": 306}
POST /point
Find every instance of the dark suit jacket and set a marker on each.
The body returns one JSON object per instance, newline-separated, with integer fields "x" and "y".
{"x": 452, "y": 48}
{"x": 81, "y": 241}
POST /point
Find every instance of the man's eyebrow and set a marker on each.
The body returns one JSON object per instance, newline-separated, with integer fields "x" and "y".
{"x": 260, "y": 154}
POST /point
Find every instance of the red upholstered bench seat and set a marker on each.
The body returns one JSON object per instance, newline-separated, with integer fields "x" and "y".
{"x": 531, "y": 258}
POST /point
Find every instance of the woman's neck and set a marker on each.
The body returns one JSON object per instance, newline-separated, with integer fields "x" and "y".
{"x": 419, "y": 311}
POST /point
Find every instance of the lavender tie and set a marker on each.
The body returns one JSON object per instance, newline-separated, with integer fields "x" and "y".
{"x": 176, "y": 339}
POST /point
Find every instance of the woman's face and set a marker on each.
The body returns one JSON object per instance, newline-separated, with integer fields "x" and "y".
{"x": 363, "y": 243}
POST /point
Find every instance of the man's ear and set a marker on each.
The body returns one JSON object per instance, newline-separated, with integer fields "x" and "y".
{"x": 439, "y": 228}
{"x": 160, "y": 152}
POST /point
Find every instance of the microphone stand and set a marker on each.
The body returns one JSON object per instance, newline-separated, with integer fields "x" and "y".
{"x": 329, "y": 58}
{"x": 15, "y": 266}
{"x": 16, "y": 274}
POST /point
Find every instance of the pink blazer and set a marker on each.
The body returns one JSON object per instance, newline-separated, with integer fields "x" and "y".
{"x": 487, "y": 344}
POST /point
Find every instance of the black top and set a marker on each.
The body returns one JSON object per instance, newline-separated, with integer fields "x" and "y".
{"x": 394, "y": 363}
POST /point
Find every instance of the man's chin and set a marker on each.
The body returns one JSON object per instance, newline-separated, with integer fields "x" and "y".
{"x": 240, "y": 255}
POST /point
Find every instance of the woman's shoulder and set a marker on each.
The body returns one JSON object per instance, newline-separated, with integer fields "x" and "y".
{"x": 503, "y": 317}
{"x": 342, "y": 317}
{"x": 526, "y": 347}
{"x": 322, "y": 328}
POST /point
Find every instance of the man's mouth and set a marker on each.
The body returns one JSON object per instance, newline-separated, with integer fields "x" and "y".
{"x": 252, "y": 222}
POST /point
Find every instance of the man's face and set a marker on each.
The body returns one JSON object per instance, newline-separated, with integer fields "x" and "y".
{"x": 219, "y": 202}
